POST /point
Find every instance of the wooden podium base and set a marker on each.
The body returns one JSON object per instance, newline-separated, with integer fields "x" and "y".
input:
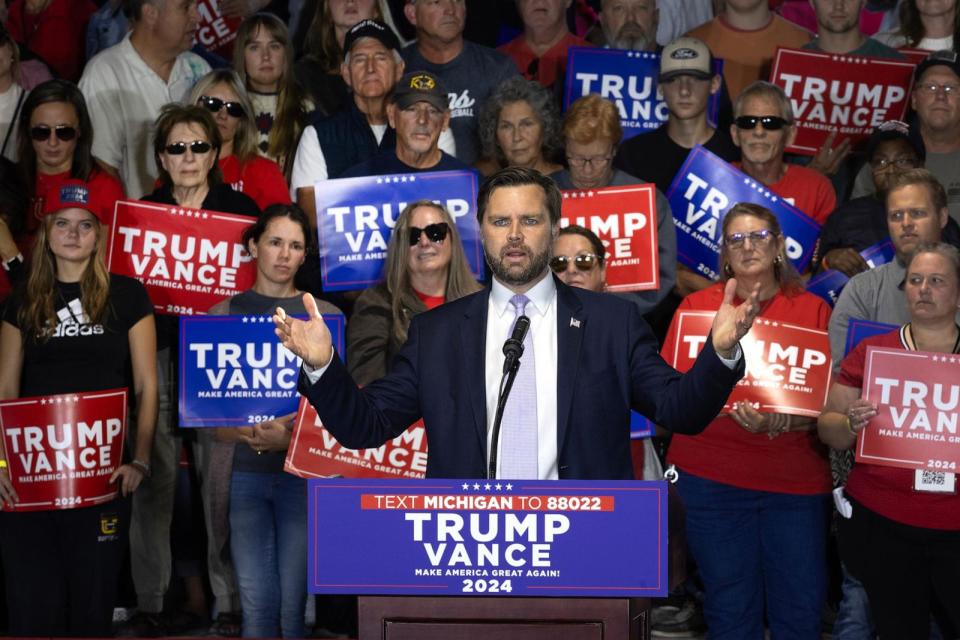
{"x": 462, "y": 618}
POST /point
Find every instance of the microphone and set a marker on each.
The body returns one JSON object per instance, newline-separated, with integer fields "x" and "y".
{"x": 513, "y": 347}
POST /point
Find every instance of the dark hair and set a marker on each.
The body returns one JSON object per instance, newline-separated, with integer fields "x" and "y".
{"x": 595, "y": 242}
{"x": 911, "y": 26}
{"x": 173, "y": 114}
{"x": 519, "y": 177}
{"x": 133, "y": 9}
{"x": 923, "y": 177}
{"x": 542, "y": 104}
{"x": 292, "y": 211}
{"x": 785, "y": 273}
{"x": 82, "y": 164}
{"x": 14, "y": 198}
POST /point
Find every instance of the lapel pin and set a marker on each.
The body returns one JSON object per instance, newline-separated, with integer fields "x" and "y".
{"x": 574, "y": 323}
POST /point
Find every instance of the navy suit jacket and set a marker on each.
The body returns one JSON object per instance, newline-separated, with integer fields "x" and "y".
{"x": 607, "y": 363}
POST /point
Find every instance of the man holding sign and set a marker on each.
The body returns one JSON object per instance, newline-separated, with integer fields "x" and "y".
{"x": 904, "y": 522}
{"x": 589, "y": 358}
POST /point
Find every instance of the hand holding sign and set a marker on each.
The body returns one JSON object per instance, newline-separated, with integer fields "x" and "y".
{"x": 733, "y": 322}
{"x": 272, "y": 435}
{"x": 8, "y": 496}
{"x": 130, "y": 478}
{"x": 860, "y": 412}
{"x": 829, "y": 158}
{"x": 773, "y": 424}
{"x": 845, "y": 260}
{"x": 310, "y": 339}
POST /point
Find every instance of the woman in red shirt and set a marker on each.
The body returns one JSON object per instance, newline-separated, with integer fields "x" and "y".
{"x": 223, "y": 94}
{"x": 900, "y": 530}
{"x": 53, "y": 143}
{"x": 55, "y": 30}
{"x": 755, "y": 485}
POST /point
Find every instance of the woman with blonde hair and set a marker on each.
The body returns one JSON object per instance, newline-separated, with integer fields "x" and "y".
{"x": 263, "y": 58}
{"x": 426, "y": 266}
{"x": 222, "y": 93}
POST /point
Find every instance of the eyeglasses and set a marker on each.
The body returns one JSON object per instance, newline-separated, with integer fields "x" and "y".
{"x": 897, "y": 215}
{"x": 180, "y": 148}
{"x": 758, "y": 237}
{"x": 770, "y": 123}
{"x": 582, "y": 261}
{"x": 900, "y": 162}
{"x": 41, "y": 133}
{"x": 932, "y": 88}
{"x": 214, "y": 105}
{"x": 581, "y": 162}
{"x": 436, "y": 232}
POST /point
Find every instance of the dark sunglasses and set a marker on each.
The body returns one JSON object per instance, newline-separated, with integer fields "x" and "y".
{"x": 41, "y": 133}
{"x": 213, "y": 105}
{"x": 436, "y": 232}
{"x": 583, "y": 262}
{"x": 180, "y": 148}
{"x": 770, "y": 123}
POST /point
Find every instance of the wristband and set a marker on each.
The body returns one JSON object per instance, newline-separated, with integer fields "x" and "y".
{"x": 850, "y": 425}
{"x": 3, "y": 463}
{"x": 8, "y": 264}
{"x": 142, "y": 467}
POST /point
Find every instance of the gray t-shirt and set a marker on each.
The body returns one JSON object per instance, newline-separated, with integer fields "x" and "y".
{"x": 470, "y": 78}
{"x": 666, "y": 239}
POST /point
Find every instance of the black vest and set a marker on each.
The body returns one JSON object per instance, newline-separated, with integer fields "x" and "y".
{"x": 346, "y": 139}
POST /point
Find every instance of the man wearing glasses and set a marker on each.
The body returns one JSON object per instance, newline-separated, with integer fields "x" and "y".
{"x": 763, "y": 127}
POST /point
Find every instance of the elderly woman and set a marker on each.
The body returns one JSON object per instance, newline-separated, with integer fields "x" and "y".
{"x": 222, "y": 93}
{"x": 187, "y": 145}
{"x": 591, "y": 134}
{"x": 896, "y": 522}
{"x": 520, "y": 127}
{"x": 755, "y": 485}
{"x": 426, "y": 266}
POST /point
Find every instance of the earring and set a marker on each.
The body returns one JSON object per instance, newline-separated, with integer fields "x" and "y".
{"x": 778, "y": 261}
{"x": 728, "y": 270}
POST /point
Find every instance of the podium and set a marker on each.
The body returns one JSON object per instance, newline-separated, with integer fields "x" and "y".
{"x": 419, "y": 618}
{"x": 507, "y": 560}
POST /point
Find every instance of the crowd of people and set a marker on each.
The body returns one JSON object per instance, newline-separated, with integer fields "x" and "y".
{"x": 119, "y": 101}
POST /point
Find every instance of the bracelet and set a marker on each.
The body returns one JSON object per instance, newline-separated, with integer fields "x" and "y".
{"x": 3, "y": 463}
{"x": 850, "y": 425}
{"x": 8, "y": 264}
{"x": 142, "y": 467}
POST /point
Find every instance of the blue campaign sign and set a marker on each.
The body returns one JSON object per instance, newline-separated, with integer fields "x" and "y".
{"x": 629, "y": 80}
{"x": 640, "y": 427}
{"x": 355, "y": 217}
{"x": 488, "y": 537}
{"x": 234, "y": 372}
{"x": 858, "y": 329}
{"x": 830, "y": 283}
{"x": 705, "y": 188}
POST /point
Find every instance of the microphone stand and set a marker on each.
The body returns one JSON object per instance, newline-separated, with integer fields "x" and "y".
{"x": 510, "y": 367}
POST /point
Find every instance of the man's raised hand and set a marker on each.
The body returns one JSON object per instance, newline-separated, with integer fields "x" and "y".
{"x": 309, "y": 339}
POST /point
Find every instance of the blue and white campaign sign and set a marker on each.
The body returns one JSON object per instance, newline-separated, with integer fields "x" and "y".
{"x": 640, "y": 426}
{"x": 830, "y": 283}
{"x": 487, "y": 537}
{"x": 629, "y": 80}
{"x": 858, "y": 329}
{"x": 234, "y": 371}
{"x": 355, "y": 217}
{"x": 705, "y": 188}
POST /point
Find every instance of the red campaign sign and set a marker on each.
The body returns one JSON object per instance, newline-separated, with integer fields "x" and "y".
{"x": 917, "y": 394}
{"x": 188, "y": 259}
{"x": 915, "y": 56}
{"x": 788, "y": 367}
{"x": 625, "y": 219}
{"x": 315, "y": 453}
{"x": 61, "y": 450}
{"x": 216, "y": 32}
{"x": 848, "y": 94}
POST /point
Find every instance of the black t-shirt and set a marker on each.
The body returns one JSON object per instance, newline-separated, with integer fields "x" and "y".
{"x": 654, "y": 157}
{"x": 387, "y": 163}
{"x": 77, "y": 355}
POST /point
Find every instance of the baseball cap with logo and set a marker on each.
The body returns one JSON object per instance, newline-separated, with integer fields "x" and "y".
{"x": 74, "y": 194}
{"x": 686, "y": 57}
{"x": 370, "y": 29}
{"x": 420, "y": 86}
{"x": 945, "y": 58}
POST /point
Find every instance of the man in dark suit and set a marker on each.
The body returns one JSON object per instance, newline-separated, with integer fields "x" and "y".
{"x": 591, "y": 358}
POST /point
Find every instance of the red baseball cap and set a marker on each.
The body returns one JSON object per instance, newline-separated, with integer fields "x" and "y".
{"x": 74, "y": 194}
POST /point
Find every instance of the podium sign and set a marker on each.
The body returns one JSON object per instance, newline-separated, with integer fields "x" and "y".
{"x": 488, "y": 537}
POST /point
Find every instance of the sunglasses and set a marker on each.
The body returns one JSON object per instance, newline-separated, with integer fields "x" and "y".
{"x": 583, "y": 262}
{"x": 41, "y": 133}
{"x": 756, "y": 238}
{"x": 436, "y": 232}
{"x": 770, "y": 123}
{"x": 180, "y": 148}
{"x": 214, "y": 105}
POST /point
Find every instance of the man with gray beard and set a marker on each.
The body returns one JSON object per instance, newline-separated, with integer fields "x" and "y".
{"x": 628, "y": 24}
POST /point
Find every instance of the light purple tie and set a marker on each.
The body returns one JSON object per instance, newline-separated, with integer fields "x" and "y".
{"x": 518, "y": 448}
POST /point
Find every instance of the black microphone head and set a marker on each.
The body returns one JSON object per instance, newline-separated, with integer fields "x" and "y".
{"x": 514, "y": 344}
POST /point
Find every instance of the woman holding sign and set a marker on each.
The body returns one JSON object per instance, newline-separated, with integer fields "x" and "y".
{"x": 755, "y": 485}
{"x": 74, "y": 328}
{"x": 426, "y": 266}
{"x": 900, "y": 530}
{"x": 267, "y": 526}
